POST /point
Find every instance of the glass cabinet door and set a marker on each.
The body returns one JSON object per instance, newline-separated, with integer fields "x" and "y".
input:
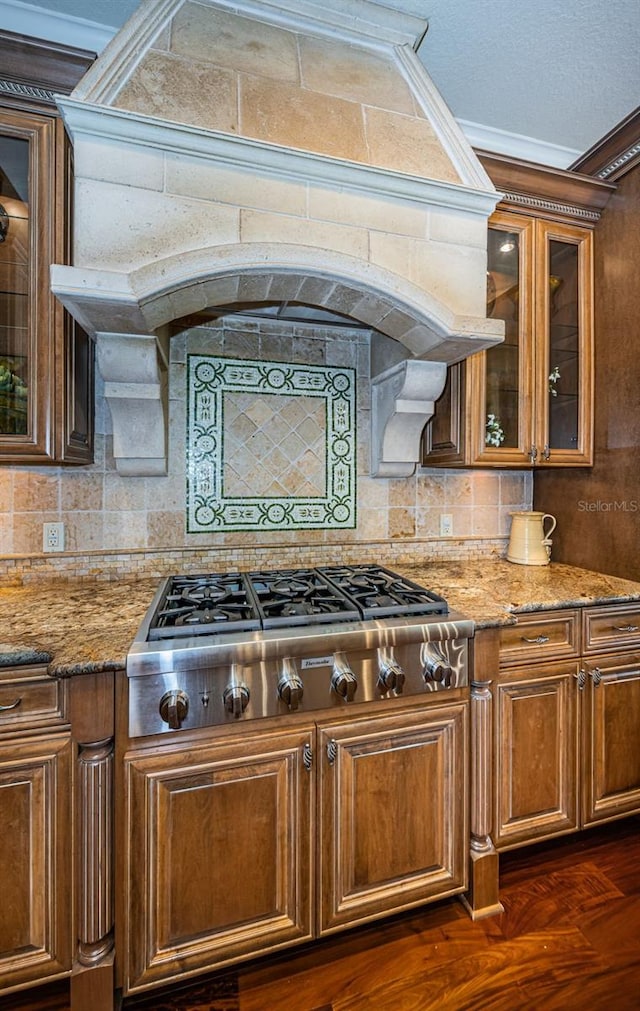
{"x": 15, "y": 348}
{"x": 500, "y": 376}
{"x": 27, "y": 242}
{"x": 564, "y": 372}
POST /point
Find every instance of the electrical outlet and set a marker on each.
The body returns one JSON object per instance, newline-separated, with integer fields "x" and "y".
{"x": 53, "y": 536}
{"x": 446, "y": 525}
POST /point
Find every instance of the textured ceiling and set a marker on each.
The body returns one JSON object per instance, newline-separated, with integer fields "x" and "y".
{"x": 561, "y": 72}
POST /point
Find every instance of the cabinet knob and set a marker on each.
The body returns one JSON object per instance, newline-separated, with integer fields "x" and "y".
{"x": 173, "y": 708}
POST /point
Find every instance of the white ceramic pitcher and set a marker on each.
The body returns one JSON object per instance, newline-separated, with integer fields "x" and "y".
{"x": 530, "y": 543}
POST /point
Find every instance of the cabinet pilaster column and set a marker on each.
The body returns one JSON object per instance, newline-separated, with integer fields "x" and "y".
{"x": 95, "y": 851}
{"x": 482, "y": 898}
{"x": 481, "y": 786}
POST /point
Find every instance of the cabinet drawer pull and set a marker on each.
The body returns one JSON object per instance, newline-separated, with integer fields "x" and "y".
{"x": 539, "y": 639}
{"x": 14, "y": 705}
{"x": 307, "y": 757}
{"x": 626, "y": 628}
{"x": 596, "y": 675}
{"x": 332, "y": 751}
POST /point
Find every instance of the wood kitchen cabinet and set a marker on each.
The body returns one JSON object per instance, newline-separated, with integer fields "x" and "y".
{"x": 536, "y": 717}
{"x": 36, "y": 941}
{"x": 218, "y": 853}
{"x": 248, "y": 843}
{"x": 46, "y": 360}
{"x": 611, "y": 700}
{"x": 529, "y": 401}
{"x": 393, "y": 813}
{"x": 565, "y": 731}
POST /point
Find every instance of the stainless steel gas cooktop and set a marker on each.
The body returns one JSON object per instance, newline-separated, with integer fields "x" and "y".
{"x": 220, "y": 647}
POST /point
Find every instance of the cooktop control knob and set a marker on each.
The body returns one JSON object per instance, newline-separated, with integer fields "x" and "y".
{"x": 290, "y": 686}
{"x": 173, "y": 708}
{"x": 343, "y": 681}
{"x": 236, "y": 699}
{"x": 435, "y": 666}
{"x": 390, "y": 674}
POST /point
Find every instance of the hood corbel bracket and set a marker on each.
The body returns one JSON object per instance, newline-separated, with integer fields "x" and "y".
{"x": 402, "y": 402}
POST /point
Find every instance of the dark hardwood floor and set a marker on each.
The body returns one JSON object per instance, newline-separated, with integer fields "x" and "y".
{"x": 569, "y": 938}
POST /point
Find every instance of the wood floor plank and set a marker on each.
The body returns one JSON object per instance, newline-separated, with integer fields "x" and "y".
{"x": 569, "y": 938}
{"x": 492, "y": 978}
{"x": 554, "y": 898}
{"x": 414, "y": 952}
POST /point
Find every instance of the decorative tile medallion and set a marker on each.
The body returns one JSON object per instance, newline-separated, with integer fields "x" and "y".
{"x": 270, "y": 446}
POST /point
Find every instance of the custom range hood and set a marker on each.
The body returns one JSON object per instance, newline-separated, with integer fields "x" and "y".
{"x": 251, "y": 152}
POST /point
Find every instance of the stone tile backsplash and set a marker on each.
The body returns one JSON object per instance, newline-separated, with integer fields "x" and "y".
{"x": 115, "y": 524}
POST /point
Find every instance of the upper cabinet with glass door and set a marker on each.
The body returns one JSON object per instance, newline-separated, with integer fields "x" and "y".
{"x": 534, "y": 391}
{"x": 46, "y": 361}
{"x": 14, "y": 285}
{"x": 25, "y": 156}
{"x": 528, "y": 401}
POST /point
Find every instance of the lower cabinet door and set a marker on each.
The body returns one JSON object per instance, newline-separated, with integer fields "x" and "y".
{"x": 217, "y": 854}
{"x": 35, "y": 860}
{"x": 393, "y": 812}
{"x": 536, "y": 720}
{"x": 610, "y": 738}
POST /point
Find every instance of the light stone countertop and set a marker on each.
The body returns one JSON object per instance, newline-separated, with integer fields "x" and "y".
{"x": 491, "y": 591}
{"x": 81, "y": 627}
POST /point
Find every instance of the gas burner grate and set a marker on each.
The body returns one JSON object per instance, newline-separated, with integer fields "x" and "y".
{"x": 214, "y": 603}
{"x": 292, "y": 597}
{"x": 204, "y": 604}
{"x": 380, "y": 593}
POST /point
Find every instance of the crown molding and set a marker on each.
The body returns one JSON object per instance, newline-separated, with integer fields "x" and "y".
{"x": 558, "y": 192}
{"x": 36, "y": 70}
{"x": 616, "y": 153}
{"x": 515, "y": 145}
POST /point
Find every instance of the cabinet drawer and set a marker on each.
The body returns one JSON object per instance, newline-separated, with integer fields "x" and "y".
{"x": 28, "y": 698}
{"x": 543, "y": 635}
{"x": 611, "y": 628}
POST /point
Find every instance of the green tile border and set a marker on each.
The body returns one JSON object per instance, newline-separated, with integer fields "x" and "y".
{"x": 208, "y": 510}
